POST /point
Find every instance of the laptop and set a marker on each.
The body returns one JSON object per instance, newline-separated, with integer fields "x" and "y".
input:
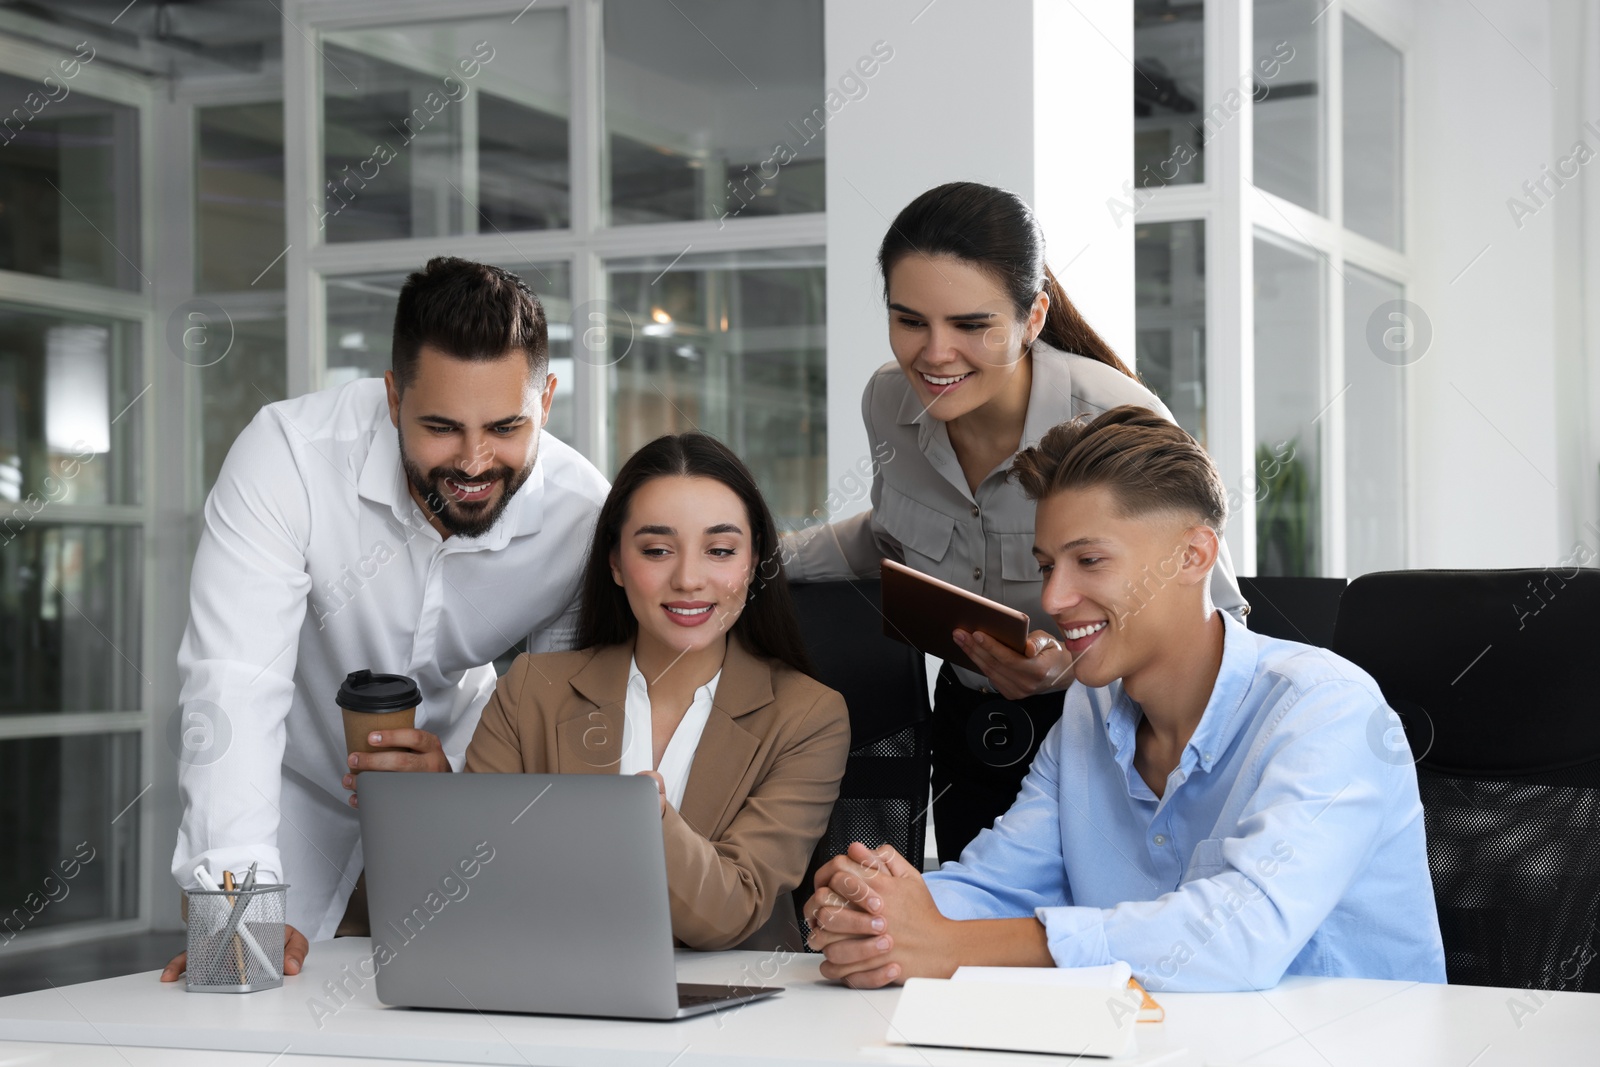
{"x": 543, "y": 893}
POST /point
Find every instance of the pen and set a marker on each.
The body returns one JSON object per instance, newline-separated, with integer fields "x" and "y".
{"x": 248, "y": 885}
{"x": 203, "y": 876}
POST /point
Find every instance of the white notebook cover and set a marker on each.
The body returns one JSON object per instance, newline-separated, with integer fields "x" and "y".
{"x": 1014, "y": 1017}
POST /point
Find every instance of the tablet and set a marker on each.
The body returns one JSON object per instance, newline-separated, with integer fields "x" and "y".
{"x": 921, "y": 611}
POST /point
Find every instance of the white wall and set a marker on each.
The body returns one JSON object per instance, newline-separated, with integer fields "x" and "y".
{"x": 1083, "y": 156}
{"x": 979, "y": 94}
{"x": 1489, "y": 479}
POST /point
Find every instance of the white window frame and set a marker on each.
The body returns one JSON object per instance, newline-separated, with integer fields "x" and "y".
{"x": 24, "y": 59}
{"x": 585, "y": 247}
{"x": 1233, "y": 210}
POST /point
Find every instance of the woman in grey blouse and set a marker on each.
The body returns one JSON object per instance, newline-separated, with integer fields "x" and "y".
{"x": 989, "y": 354}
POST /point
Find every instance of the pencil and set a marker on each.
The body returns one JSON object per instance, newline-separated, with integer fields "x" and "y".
{"x": 238, "y": 945}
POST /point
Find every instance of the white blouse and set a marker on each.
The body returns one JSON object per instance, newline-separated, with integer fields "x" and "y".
{"x": 638, "y": 747}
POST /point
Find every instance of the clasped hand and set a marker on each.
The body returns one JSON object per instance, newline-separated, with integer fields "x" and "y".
{"x": 875, "y": 922}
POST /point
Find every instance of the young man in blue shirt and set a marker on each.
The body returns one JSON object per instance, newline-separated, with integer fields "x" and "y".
{"x": 1212, "y": 807}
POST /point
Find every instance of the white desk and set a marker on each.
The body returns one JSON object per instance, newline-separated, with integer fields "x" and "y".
{"x": 136, "y": 1021}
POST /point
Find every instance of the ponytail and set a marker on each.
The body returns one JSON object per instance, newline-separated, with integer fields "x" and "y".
{"x": 1066, "y": 329}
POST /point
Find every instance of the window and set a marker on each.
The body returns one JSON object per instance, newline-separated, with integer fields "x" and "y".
{"x": 76, "y": 861}
{"x": 1170, "y": 288}
{"x": 1289, "y": 373}
{"x": 615, "y": 153}
{"x": 1272, "y": 312}
{"x": 76, "y": 495}
{"x": 1290, "y": 120}
{"x": 1372, "y": 135}
{"x": 1169, "y": 133}
{"x": 234, "y": 332}
{"x": 441, "y": 128}
{"x": 1380, "y": 343}
{"x": 634, "y": 170}
{"x": 239, "y": 196}
{"x": 732, "y": 345}
{"x": 64, "y": 381}
{"x": 689, "y": 134}
{"x": 71, "y": 178}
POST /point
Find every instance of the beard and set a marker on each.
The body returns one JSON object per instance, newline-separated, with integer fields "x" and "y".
{"x": 470, "y": 518}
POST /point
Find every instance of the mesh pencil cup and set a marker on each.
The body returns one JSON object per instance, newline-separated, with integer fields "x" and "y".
{"x": 235, "y": 939}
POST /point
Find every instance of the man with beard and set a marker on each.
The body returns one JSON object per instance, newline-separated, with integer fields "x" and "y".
{"x": 420, "y": 525}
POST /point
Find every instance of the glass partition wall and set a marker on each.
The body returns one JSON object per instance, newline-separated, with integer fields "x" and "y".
{"x": 183, "y": 243}
{"x": 1271, "y": 269}
{"x": 620, "y": 157}
{"x": 76, "y": 497}
{"x": 613, "y": 155}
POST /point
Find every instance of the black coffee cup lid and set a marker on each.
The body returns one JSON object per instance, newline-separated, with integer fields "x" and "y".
{"x": 366, "y": 691}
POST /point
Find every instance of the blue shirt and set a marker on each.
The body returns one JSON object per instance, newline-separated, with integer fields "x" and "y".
{"x": 1288, "y": 840}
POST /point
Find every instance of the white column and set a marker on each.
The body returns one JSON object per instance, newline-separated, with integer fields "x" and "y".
{"x": 1025, "y": 94}
{"x": 1083, "y": 157}
{"x": 1575, "y": 66}
{"x": 1230, "y": 280}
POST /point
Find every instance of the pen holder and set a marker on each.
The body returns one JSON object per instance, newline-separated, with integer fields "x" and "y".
{"x": 235, "y": 939}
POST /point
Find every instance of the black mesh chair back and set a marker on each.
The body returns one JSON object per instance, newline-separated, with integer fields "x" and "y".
{"x": 884, "y": 795}
{"x": 1294, "y": 609}
{"x": 1494, "y": 676}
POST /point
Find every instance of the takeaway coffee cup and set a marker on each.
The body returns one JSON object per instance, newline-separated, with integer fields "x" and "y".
{"x": 376, "y": 702}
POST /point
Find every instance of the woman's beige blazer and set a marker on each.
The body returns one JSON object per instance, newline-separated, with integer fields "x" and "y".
{"x": 765, "y": 775}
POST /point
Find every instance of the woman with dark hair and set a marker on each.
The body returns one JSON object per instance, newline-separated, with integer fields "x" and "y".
{"x": 687, "y": 672}
{"x": 988, "y": 354}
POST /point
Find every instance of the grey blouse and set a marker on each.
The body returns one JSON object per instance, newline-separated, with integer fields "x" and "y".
{"x": 924, "y": 515}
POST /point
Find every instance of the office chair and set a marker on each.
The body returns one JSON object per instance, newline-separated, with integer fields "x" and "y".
{"x": 884, "y": 794}
{"x": 1294, "y": 609}
{"x": 1493, "y": 675}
